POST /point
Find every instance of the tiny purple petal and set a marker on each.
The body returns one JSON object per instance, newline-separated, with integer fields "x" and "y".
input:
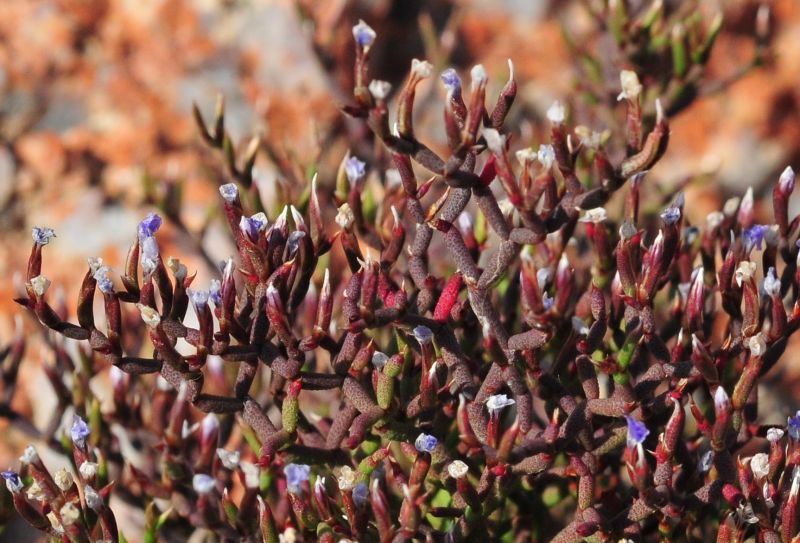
{"x": 199, "y": 298}
{"x": 215, "y": 292}
{"x": 548, "y": 301}
{"x": 79, "y": 431}
{"x": 149, "y": 225}
{"x": 451, "y": 81}
{"x": 296, "y": 475}
{"x": 754, "y": 236}
{"x": 671, "y": 215}
{"x": 637, "y": 431}
{"x": 423, "y": 334}
{"x": 229, "y": 192}
{"x": 425, "y": 443}
{"x": 361, "y": 494}
{"x": 793, "y": 426}
{"x": 252, "y": 226}
{"x": 363, "y": 34}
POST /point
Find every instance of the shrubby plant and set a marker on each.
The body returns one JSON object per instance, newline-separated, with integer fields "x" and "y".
{"x": 521, "y": 346}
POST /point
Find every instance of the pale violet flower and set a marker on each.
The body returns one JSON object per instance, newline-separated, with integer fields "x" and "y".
{"x": 363, "y": 34}
{"x": 296, "y": 475}
{"x": 631, "y": 87}
{"x": 203, "y": 484}
{"x": 423, "y": 334}
{"x": 354, "y": 169}
{"x": 498, "y": 402}
{"x": 79, "y": 431}
{"x": 555, "y": 113}
{"x": 229, "y": 192}
{"x": 637, "y": 431}
{"x": 451, "y": 81}
{"x": 425, "y": 443}
{"x": 772, "y": 285}
{"x": 42, "y": 236}
{"x": 379, "y": 360}
{"x": 546, "y": 155}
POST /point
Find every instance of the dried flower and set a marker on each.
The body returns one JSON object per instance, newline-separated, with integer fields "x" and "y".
{"x": 631, "y": 87}
{"x": 421, "y": 68}
{"x": 229, "y": 459}
{"x": 346, "y": 478}
{"x": 744, "y": 272}
{"x": 457, "y": 469}
{"x": 345, "y": 217}
{"x": 40, "y": 284}
{"x": 63, "y": 479}
{"x": 149, "y": 315}
{"x": 546, "y": 155}
{"x": 759, "y": 463}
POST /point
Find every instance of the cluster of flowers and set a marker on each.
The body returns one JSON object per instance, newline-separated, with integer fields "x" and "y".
{"x": 541, "y": 371}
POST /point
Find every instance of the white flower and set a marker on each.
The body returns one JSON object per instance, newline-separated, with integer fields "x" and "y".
{"x": 757, "y": 345}
{"x": 631, "y": 87}
{"x": 714, "y": 219}
{"x": 29, "y": 456}
{"x": 744, "y": 272}
{"x": 774, "y": 435}
{"x": 495, "y": 141}
{"x": 595, "y": 215}
{"x": 149, "y": 315}
{"x": 35, "y": 492}
{"x": 346, "y": 478}
{"x": 93, "y": 499}
{"x": 525, "y": 156}
{"x": 203, "y": 484}
{"x": 252, "y": 474}
{"x": 229, "y": 459}
{"x": 345, "y": 217}
{"x": 229, "y": 192}
{"x": 722, "y": 401}
{"x": 421, "y": 68}
{"x": 555, "y": 113}
{"x": 497, "y": 402}
{"x": 40, "y": 284}
{"x": 457, "y": 469}
{"x": 478, "y": 75}
{"x": 759, "y": 463}
{"x": 88, "y": 470}
{"x": 69, "y": 514}
{"x": 379, "y": 89}
{"x": 546, "y": 155}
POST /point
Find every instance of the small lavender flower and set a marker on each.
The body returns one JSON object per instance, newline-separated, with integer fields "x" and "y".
{"x": 79, "y": 431}
{"x": 423, "y": 334}
{"x": 478, "y": 76}
{"x": 354, "y": 169}
{"x": 252, "y": 226}
{"x": 793, "y": 426}
{"x": 787, "y": 180}
{"x": 149, "y": 225}
{"x": 215, "y": 292}
{"x": 451, "y": 81}
{"x": 199, "y": 298}
{"x": 296, "y": 475}
{"x": 546, "y": 155}
{"x": 425, "y": 443}
{"x": 547, "y": 301}
{"x": 104, "y": 283}
{"x": 229, "y": 192}
{"x": 13, "y": 482}
{"x": 637, "y": 431}
{"x": 42, "y": 236}
{"x": 671, "y": 215}
{"x": 498, "y": 402}
{"x": 556, "y": 113}
{"x": 361, "y": 494}
{"x": 203, "y": 484}
{"x": 754, "y": 236}
{"x": 363, "y": 34}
